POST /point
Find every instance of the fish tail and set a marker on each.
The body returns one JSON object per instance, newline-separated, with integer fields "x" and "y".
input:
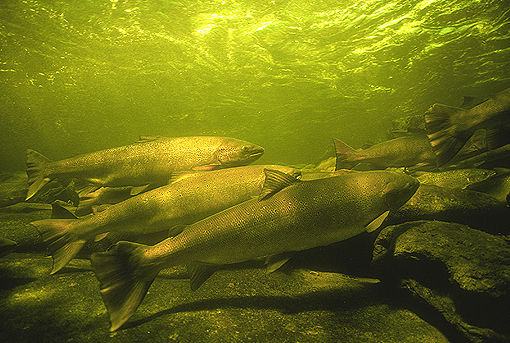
{"x": 36, "y": 164}
{"x": 440, "y": 131}
{"x": 123, "y": 280}
{"x": 343, "y": 153}
{"x": 57, "y": 234}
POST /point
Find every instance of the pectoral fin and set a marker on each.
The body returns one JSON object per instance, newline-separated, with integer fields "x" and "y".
{"x": 138, "y": 189}
{"x": 208, "y": 167}
{"x": 376, "y": 223}
{"x": 175, "y": 230}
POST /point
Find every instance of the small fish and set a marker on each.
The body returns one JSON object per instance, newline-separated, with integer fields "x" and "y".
{"x": 183, "y": 202}
{"x": 150, "y": 161}
{"x": 457, "y": 178}
{"x": 449, "y": 128}
{"x": 290, "y": 215}
{"x": 409, "y": 151}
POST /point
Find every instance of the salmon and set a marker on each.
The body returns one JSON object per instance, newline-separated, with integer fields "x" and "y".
{"x": 169, "y": 207}
{"x": 289, "y": 215}
{"x": 149, "y": 162}
{"x": 409, "y": 151}
{"x": 449, "y": 128}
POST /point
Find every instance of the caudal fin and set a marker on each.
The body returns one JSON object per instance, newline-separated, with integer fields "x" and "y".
{"x": 58, "y": 235}
{"x": 343, "y": 154}
{"x": 440, "y": 131}
{"x": 122, "y": 280}
{"x": 36, "y": 164}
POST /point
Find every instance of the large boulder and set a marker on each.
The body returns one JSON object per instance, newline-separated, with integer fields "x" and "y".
{"x": 478, "y": 210}
{"x": 463, "y": 274}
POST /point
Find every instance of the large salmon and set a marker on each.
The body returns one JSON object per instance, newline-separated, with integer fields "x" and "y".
{"x": 150, "y": 161}
{"x": 291, "y": 215}
{"x": 180, "y": 203}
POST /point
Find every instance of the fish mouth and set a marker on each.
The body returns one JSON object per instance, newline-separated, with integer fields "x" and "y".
{"x": 256, "y": 152}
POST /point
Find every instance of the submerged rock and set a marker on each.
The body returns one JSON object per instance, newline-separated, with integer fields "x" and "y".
{"x": 6, "y": 246}
{"x": 478, "y": 210}
{"x": 461, "y": 273}
{"x": 14, "y": 187}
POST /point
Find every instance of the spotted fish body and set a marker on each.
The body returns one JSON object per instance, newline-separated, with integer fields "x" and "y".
{"x": 150, "y": 161}
{"x": 169, "y": 207}
{"x": 290, "y": 216}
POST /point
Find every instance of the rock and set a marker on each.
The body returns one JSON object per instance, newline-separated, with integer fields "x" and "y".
{"x": 478, "y": 210}
{"x": 497, "y": 186}
{"x": 461, "y": 273}
{"x": 240, "y": 304}
{"x": 6, "y": 246}
{"x": 13, "y": 188}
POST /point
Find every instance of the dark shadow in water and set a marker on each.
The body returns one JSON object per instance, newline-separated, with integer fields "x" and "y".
{"x": 399, "y": 298}
{"x": 9, "y": 283}
{"x": 328, "y": 300}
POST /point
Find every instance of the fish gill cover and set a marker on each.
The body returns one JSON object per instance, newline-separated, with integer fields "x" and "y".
{"x": 82, "y": 76}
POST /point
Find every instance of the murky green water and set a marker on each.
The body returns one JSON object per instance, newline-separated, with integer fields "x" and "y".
{"x": 79, "y": 76}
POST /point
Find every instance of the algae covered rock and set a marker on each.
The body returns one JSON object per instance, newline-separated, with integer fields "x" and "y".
{"x": 463, "y": 274}
{"x": 478, "y": 210}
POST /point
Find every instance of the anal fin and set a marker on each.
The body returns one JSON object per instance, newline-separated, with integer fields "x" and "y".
{"x": 274, "y": 262}
{"x": 201, "y": 272}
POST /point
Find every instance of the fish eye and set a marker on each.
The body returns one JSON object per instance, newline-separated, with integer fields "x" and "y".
{"x": 245, "y": 148}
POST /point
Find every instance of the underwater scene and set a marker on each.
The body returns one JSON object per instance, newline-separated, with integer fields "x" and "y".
{"x": 264, "y": 171}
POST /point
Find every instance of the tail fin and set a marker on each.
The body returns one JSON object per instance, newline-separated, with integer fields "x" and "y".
{"x": 58, "y": 235}
{"x": 343, "y": 153}
{"x": 122, "y": 280}
{"x": 440, "y": 132}
{"x": 35, "y": 170}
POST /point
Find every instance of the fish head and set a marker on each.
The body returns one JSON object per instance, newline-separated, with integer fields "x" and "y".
{"x": 233, "y": 152}
{"x": 398, "y": 189}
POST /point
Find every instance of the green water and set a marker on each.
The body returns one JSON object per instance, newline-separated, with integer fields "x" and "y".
{"x": 79, "y": 76}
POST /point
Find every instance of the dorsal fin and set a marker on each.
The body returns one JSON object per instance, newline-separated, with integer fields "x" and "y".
{"x": 58, "y": 212}
{"x": 275, "y": 181}
{"x": 472, "y": 101}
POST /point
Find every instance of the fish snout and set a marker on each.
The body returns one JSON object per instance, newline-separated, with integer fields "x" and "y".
{"x": 253, "y": 152}
{"x": 232, "y": 156}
